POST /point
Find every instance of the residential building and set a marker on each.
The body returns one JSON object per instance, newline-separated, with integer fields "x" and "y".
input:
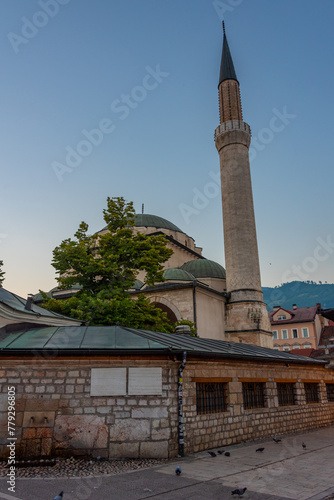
{"x": 296, "y": 328}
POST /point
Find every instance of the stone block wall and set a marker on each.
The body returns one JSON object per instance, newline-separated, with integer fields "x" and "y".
{"x": 56, "y": 415}
{"x": 237, "y": 424}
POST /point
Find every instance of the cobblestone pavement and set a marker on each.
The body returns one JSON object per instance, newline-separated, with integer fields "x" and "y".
{"x": 280, "y": 472}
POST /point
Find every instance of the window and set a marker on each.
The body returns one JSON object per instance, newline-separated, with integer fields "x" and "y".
{"x": 253, "y": 393}
{"x": 311, "y": 392}
{"x": 296, "y": 346}
{"x": 276, "y": 346}
{"x": 210, "y": 397}
{"x": 286, "y": 348}
{"x": 275, "y": 334}
{"x": 280, "y": 318}
{"x": 286, "y": 393}
{"x": 330, "y": 392}
{"x": 307, "y": 345}
{"x": 284, "y": 334}
{"x": 305, "y": 333}
{"x": 294, "y": 333}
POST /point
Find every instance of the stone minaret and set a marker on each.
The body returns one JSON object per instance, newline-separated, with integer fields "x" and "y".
{"x": 247, "y": 319}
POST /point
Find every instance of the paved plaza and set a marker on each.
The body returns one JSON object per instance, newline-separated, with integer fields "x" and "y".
{"x": 281, "y": 471}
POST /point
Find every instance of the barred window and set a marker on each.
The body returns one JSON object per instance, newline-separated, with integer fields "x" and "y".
{"x": 253, "y": 393}
{"x": 286, "y": 393}
{"x": 330, "y": 392}
{"x": 210, "y": 397}
{"x": 311, "y": 392}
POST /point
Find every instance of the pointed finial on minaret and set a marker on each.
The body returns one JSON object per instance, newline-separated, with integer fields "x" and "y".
{"x": 224, "y": 28}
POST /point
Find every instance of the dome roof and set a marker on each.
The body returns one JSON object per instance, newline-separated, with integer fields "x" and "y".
{"x": 204, "y": 268}
{"x": 178, "y": 275}
{"x": 148, "y": 220}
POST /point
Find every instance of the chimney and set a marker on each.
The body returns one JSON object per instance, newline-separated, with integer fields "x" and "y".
{"x": 275, "y": 308}
{"x": 294, "y": 306}
{"x": 29, "y": 302}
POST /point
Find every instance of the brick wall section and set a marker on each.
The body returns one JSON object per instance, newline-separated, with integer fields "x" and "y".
{"x": 56, "y": 416}
{"x": 237, "y": 424}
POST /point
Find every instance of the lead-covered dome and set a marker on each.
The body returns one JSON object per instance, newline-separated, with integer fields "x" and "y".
{"x": 204, "y": 268}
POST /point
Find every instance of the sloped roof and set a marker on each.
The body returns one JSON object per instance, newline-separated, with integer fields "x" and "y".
{"x": 116, "y": 340}
{"x": 326, "y": 334}
{"x": 18, "y": 304}
{"x": 299, "y": 315}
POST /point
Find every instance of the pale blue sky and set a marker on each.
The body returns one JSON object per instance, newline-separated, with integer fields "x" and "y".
{"x": 70, "y": 73}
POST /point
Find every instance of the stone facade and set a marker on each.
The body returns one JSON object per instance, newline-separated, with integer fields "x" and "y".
{"x": 237, "y": 424}
{"x": 57, "y": 416}
{"x": 57, "y": 413}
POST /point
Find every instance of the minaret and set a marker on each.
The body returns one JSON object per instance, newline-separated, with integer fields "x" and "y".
{"x": 246, "y": 319}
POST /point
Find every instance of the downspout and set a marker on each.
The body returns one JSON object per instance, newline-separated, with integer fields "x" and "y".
{"x": 194, "y": 304}
{"x": 180, "y": 402}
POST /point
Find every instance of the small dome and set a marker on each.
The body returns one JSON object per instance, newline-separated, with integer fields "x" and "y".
{"x": 204, "y": 268}
{"x": 178, "y": 275}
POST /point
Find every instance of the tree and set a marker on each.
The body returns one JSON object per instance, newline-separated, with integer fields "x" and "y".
{"x": 106, "y": 266}
{"x": 2, "y": 274}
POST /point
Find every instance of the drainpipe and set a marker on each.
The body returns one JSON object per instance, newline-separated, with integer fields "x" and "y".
{"x": 180, "y": 401}
{"x": 194, "y": 303}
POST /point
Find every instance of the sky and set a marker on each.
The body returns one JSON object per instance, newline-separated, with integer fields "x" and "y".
{"x": 119, "y": 98}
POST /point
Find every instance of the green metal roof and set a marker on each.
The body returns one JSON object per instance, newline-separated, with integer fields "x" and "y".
{"x": 86, "y": 340}
{"x": 18, "y": 304}
{"x": 137, "y": 285}
{"x": 204, "y": 268}
{"x": 178, "y": 275}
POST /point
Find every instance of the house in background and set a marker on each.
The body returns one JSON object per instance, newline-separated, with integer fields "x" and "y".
{"x": 297, "y": 328}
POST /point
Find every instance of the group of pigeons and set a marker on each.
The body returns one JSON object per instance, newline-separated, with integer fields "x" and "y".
{"x": 178, "y": 470}
{"x": 238, "y": 491}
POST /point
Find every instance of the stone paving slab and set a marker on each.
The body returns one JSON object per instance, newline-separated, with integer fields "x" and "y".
{"x": 283, "y": 471}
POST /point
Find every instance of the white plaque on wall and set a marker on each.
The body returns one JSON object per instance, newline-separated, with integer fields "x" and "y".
{"x": 145, "y": 381}
{"x": 108, "y": 382}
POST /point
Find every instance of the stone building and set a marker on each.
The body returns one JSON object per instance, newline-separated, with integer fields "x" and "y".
{"x": 120, "y": 392}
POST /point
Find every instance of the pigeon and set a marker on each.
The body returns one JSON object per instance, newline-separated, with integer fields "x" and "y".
{"x": 239, "y": 491}
{"x": 227, "y": 454}
{"x": 212, "y": 453}
{"x": 260, "y": 449}
{"x": 59, "y": 497}
{"x": 221, "y": 452}
{"x": 178, "y": 470}
{"x": 277, "y": 440}
{"x": 304, "y": 446}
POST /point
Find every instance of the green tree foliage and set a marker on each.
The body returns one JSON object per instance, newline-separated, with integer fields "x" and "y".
{"x": 106, "y": 266}
{"x": 2, "y": 274}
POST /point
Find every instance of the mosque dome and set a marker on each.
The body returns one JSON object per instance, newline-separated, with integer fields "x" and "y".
{"x": 149, "y": 220}
{"x": 178, "y": 275}
{"x": 204, "y": 268}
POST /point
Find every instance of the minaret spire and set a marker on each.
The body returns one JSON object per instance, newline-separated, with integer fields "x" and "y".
{"x": 228, "y": 87}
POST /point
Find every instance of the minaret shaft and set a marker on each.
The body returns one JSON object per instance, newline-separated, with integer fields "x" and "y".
{"x": 247, "y": 319}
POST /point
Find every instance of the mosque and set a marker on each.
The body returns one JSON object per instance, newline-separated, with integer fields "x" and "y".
{"x": 223, "y": 305}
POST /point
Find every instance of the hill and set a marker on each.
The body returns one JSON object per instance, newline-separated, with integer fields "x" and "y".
{"x": 304, "y": 294}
